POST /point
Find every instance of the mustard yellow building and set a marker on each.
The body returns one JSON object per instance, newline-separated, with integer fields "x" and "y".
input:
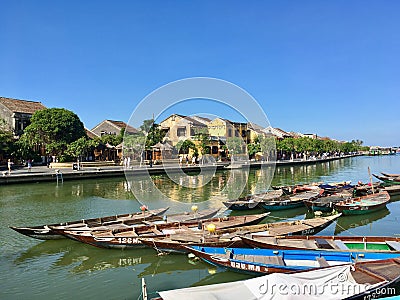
{"x": 178, "y": 127}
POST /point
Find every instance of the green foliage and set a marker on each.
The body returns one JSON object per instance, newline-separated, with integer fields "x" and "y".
{"x": 253, "y": 148}
{"x": 236, "y": 145}
{"x": 317, "y": 146}
{"x": 6, "y": 139}
{"x": 80, "y": 147}
{"x": 202, "y": 135}
{"x": 286, "y": 144}
{"x": 111, "y": 139}
{"x": 134, "y": 144}
{"x": 53, "y": 128}
{"x": 146, "y": 126}
{"x": 154, "y": 134}
{"x": 184, "y": 146}
{"x": 267, "y": 144}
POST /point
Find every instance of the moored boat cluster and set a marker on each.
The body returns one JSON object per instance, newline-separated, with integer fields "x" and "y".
{"x": 246, "y": 244}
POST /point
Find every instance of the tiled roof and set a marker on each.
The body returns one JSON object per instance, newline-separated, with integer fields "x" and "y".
{"x": 21, "y": 106}
{"x": 195, "y": 121}
{"x": 257, "y": 128}
{"x": 203, "y": 120}
{"x": 283, "y": 132}
{"x": 90, "y": 134}
{"x": 121, "y": 124}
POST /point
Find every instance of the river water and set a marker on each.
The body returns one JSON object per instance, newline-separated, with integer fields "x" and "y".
{"x": 65, "y": 269}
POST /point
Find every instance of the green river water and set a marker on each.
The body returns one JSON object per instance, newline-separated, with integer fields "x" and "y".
{"x": 65, "y": 269}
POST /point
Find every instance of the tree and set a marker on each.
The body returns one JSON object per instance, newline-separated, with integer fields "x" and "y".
{"x": 152, "y": 132}
{"x": 201, "y": 135}
{"x": 134, "y": 144}
{"x": 235, "y": 145}
{"x": 53, "y": 128}
{"x": 184, "y": 146}
{"x": 268, "y": 147}
{"x": 113, "y": 139}
{"x": 253, "y": 148}
{"x": 80, "y": 147}
{"x": 146, "y": 126}
{"x": 6, "y": 139}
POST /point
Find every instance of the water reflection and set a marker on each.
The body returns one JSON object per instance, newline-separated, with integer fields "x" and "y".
{"x": 74, "y": 268}
{"x": 81, "y": 258}
{"x": 344, "y": 223}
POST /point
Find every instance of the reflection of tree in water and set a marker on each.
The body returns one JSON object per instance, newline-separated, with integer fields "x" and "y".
{"x": 109, "y": 189}
{"x": 237, "y": 183}
{"x": 231, "y": 184}
{"x": 196, "y": 191}
{"x": 289, "y": 175}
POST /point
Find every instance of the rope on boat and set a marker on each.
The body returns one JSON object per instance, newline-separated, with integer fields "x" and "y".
{"x": 140, "y": 296}
{"x": 280, "y": 218}
{"x": 345, "y": 230}
{"x": 159, "y": 252}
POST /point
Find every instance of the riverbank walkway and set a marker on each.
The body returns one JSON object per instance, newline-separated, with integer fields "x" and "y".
{"x": 43, "y": 173}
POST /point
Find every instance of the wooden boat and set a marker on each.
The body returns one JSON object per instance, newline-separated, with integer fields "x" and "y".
{"x": 365, "y": 189}
{"x": 329, "y": 243}
{"x": 361, "y": 280}
{"x": 293, "y": 189}
{"x": 364, "y": 204}
{"x": 179, "y": 217}
{"x": 391, "y": 175}
{"x": 325, "y": 204}
{"x": 393, "y": 190}
{"x": 252, "y": 201}
{"x": 44, "y": 232}
{"x": 255, "y": 261}
{"x": 177, "y": 242}
{"x": 288, "y": 202}
{"x": 129, "y": 237}
{"x": 232, "y": 237}
{"x": 330, "y": 189}
{"x": 388, "y": 180}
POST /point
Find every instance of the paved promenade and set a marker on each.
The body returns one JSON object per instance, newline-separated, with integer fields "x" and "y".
{"x": 42, "y": 173}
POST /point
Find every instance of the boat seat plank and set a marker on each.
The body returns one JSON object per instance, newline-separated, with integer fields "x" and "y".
{"x": 156, "y": 231}
{"x": 309, "y": 244}
{"x": 268, "y": 260}
{"x": 394, "y": 245}
{"x": 323, "y": 244}
{"x": 322, "y": 262}
{"x": 341, "y": 245}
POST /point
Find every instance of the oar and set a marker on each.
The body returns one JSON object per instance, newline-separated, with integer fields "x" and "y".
{"x": 370, "y": 180}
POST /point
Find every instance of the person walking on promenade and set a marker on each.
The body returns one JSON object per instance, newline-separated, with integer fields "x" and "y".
{"x": 29, "y": 165}
{"x": 187, "y": 160}
{"x": 194, "y": 160}
{"x": 180, "y": 160}
{"x": 9, "y": 164}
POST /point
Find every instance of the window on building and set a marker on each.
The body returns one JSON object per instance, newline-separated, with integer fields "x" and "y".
{"x": 181, "y": 131}
{"x": 229, "y": 132}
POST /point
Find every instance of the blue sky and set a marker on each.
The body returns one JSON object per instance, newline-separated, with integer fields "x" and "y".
{"x": 325, "y": 67}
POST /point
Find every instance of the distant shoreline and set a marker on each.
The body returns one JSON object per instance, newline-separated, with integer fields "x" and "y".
{"x": 44, "y": 174}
